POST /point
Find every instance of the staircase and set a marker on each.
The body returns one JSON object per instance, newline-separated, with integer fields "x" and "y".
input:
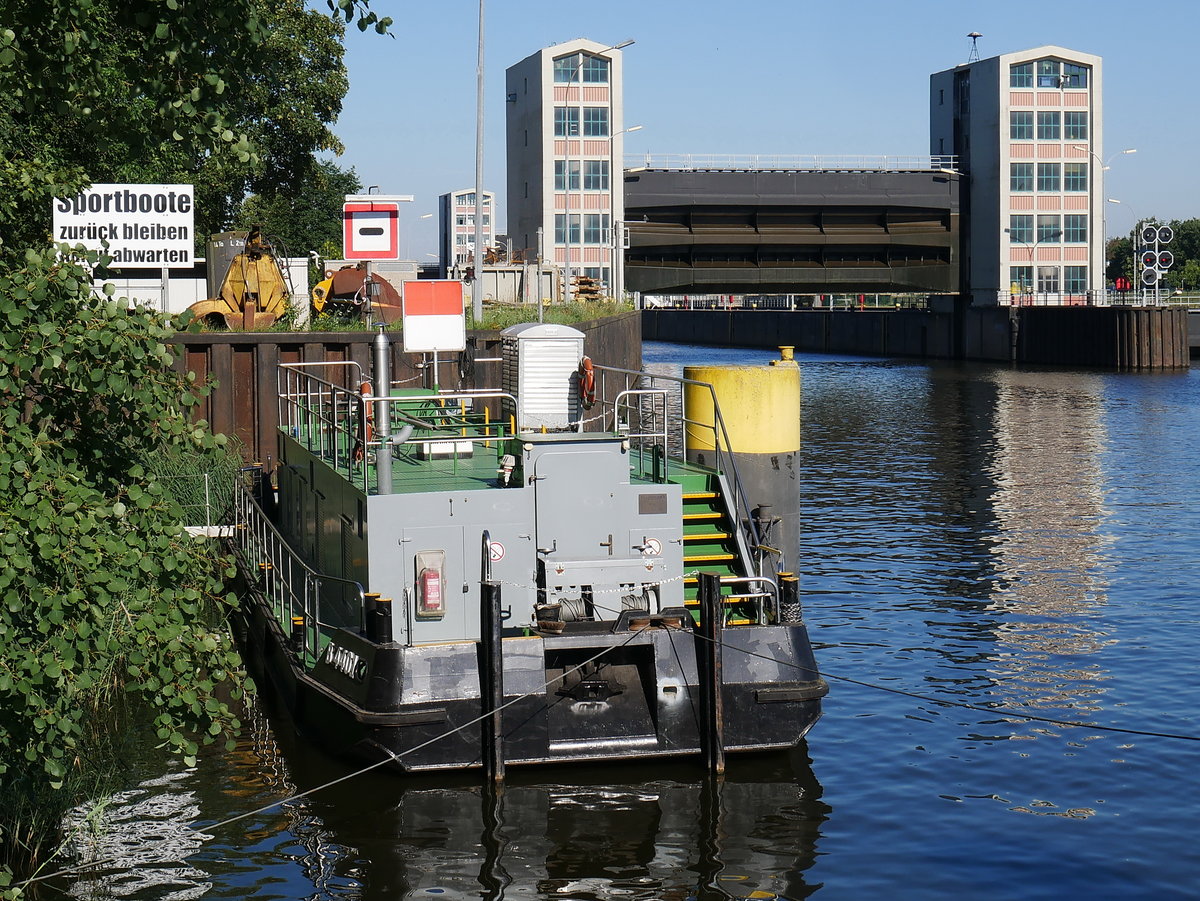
{"x": 711, "y": 544}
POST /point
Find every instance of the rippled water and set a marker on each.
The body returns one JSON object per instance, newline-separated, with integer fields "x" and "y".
{"x": 978, "y": 535}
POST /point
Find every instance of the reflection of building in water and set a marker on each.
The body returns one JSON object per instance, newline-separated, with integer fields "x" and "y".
{"x": 1048, "y": 506}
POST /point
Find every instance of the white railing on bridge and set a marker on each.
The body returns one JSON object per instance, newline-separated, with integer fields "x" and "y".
{"x": 756, "y": 162}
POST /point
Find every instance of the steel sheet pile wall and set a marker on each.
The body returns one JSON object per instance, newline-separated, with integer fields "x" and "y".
{"x": 243, "y": 404}
{"x": 1122, "y": 338}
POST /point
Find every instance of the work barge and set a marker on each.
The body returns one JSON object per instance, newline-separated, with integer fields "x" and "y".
{"x": 532, "y": 574}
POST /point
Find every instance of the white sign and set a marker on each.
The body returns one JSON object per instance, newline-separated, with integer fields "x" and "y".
{"x": 148, "y": 226}
{"x": 496, "y": 551}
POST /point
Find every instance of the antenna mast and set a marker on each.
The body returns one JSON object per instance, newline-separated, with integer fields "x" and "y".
{"x": 974, "y": 55}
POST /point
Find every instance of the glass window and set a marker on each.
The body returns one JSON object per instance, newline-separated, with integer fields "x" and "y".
{"x": 1020, "y": 177}
{"x": 1075, "y": 125}
{"x": 560, "y": 229}
{"x": 595, "y": 175}
{"x": 1048, "y": 125}
{"x": 1075, "y": 177}
{"x": 1048, "y": 72}
{"x": 595, "y": 70}
{"x": 595, "y": 228}
{"x": 1049, "y": 229}
{"x": 1048, "y": 279}
{"x": 1021, "y": 75}
{"x": 1075, "y": 76}
{"x": 595, "y": 122}
{"x": 1075, "y": 279}
{"x": 560, "y": 175}
{"x": 1021, "y": 278}
{"x": 1020, "y": 229}
{"x": 565, "y": 68}
{"x": 1020, "y": 125}
{"x": 1049, "y": 177}
{"x": 566, "y": 121}
{"x": 1075, "y": 230}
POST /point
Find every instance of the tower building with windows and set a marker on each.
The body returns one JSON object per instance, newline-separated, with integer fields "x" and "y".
{"x": 1026, "y": 128}
{"x": 564, "y": 140}
{"x": 456, "y": 229}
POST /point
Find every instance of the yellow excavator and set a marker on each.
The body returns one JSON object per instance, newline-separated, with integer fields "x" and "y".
{"x": 253, "y": 293}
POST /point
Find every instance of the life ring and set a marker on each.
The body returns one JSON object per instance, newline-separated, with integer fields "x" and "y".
{"x": 587, "y": 383}
{"x": 366, "y": 424}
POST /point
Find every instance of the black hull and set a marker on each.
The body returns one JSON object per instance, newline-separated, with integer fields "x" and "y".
{"x": 419, "y": 708}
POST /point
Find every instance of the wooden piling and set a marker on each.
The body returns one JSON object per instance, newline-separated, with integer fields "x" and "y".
{"x": 711, "y": 679}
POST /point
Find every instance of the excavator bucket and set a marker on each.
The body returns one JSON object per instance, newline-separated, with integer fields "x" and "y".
{"x": 253, "y": 293}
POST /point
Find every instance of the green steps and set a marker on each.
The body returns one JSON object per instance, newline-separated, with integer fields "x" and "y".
{"x": 710, "y": 546}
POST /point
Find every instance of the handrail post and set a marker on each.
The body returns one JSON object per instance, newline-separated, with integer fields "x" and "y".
{"x": 709, "y": 670}
{"x": 491, "y": 668}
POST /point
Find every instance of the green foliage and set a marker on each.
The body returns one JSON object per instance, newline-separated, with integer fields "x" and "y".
{"x": 104, "y": 599}
{"x": 310, "y": 218}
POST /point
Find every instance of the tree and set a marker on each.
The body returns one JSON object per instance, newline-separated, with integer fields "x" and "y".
{"x": 310, "y": 219}
{"x": 105, "y": 605}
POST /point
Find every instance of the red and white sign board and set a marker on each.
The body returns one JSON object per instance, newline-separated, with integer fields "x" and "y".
{"x": 371, "y": 230}
{"x": 434, "y": 319}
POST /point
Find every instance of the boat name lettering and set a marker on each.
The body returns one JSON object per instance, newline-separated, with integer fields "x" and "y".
{"x": 346, "y": 662}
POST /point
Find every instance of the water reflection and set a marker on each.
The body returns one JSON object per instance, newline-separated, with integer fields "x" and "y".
{"x": 638, "y": 832}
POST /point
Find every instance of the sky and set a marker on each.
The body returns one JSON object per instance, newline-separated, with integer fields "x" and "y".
{"x": 761, "y": 77}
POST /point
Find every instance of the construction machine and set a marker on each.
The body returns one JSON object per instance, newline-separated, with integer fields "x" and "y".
{"x": 353, "y": 291}
{"x": 253, "y": 293}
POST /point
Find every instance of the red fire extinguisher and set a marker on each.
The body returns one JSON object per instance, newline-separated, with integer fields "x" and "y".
{"x": 430, "y": 589}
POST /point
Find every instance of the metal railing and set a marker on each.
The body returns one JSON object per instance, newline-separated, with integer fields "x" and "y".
{"x": 789, "y": 302}
{"x": 338, "y": 423}
{"x": 753, "y": 162}
{"x": 636, "y": 384}
{"x": 291, "y": 587}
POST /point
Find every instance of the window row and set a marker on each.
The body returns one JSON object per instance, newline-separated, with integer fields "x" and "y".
{"x": 1052, "y": 228}
{"x": 468, "y": 199}
{"x": 595, "y": 228}
{"x": 465, "y": 220}
{"x": 1073, "y": 279}
{"x": 595, "y": 121}
{"x": 572, "y": 69}
{"x": 1050, "y": 177}
{"x": 1051, "y": 73}
{"x": 1051, "y": 125}
{"x": 595, "y": 175}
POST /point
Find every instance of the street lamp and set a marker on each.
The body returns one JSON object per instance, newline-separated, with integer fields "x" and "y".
{"x": 1103, "y": 167}
{"x": 1049, "y": 236}
{"x": 577, "y": 76}
{"x": 616, "y": 227}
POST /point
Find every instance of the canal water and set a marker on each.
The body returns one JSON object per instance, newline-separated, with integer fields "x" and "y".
{"x": 980, "y": 544}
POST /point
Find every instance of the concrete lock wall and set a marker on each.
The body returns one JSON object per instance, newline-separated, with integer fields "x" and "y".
{"x": 1123, "y": 338}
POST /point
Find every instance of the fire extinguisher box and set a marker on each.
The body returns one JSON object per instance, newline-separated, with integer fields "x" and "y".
{"x": 431, "y": 584}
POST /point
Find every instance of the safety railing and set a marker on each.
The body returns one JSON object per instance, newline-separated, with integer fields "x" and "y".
{"x": 350, "y": 428}
{"x": 674, "y": 428}
{"x": 302, "y": 600}
{"x": 756, "y": 162}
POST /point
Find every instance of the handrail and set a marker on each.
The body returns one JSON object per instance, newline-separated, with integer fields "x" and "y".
{"x": 760, "y": 579}
{"x": 261, "y": 546}
{"x": 725, "y": 461}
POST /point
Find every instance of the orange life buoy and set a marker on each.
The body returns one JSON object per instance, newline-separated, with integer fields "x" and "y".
{"x": 366, "y": 425}
{"x": 587, "y": 383}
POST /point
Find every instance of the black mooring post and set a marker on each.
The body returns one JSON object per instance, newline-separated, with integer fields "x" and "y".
{"x": 708, "y": 656}
{"x": 491, "y": 679}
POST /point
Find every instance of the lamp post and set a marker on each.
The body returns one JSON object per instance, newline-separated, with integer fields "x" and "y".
{"x": 577, "y": 76}
{"x": 1050, "y": 236}
{"x": 617, "y": 228}
{"x": 1102, "y": 167}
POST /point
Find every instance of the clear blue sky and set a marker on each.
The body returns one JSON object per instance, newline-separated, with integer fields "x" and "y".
{"x": 763, "y": 76}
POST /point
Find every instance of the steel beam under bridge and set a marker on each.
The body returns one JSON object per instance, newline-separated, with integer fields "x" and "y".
{"x": 792, "y": 232}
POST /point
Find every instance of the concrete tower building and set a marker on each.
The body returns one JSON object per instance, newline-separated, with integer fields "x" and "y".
{"x": 1027, "y": 130}
{"x": 456, "y": 229}
{"x": 565, "y": 146}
